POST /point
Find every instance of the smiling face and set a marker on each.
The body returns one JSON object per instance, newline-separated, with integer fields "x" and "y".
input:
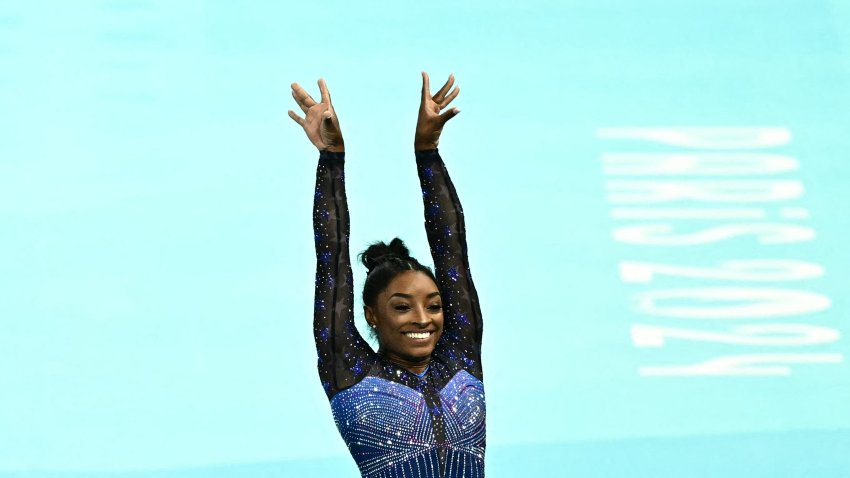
{"x": 408, "y": 316}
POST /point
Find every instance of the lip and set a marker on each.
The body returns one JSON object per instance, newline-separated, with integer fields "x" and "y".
{"x": 429, "y": 332}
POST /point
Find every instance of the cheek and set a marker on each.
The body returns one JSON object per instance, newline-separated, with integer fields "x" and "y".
{"x": 389, "y": 319}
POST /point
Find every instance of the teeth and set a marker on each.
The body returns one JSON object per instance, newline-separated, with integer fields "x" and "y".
{"x": 418, "y": 335}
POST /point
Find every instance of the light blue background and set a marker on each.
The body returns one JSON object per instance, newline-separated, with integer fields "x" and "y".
{"x": 156, "y": 244}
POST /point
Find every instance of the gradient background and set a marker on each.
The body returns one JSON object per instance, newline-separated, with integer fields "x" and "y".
{"x": 156, "y": 246}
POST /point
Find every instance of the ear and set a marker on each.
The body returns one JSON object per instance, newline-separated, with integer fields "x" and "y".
{"x": 370, "y": 316}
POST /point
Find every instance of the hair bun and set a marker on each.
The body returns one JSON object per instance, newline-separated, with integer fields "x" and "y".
{"x": 379, "y": 252}
{"x": 385, "y": 262}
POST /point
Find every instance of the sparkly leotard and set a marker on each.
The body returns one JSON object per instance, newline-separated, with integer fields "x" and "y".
{"x": 395, "y": 423}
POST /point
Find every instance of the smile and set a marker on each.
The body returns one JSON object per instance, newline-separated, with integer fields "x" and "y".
{"x": 418, "y": 335}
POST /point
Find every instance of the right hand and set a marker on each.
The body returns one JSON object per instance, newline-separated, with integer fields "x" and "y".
{"x": 320, "y": 121}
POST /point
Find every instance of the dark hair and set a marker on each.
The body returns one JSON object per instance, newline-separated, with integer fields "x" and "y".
{"x": 385, "y": 262}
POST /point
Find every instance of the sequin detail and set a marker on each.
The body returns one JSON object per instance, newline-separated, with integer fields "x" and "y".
{"x": 388, "y": 428}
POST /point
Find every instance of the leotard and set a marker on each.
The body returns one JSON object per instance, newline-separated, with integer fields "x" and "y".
{"x": 396, "y": 424}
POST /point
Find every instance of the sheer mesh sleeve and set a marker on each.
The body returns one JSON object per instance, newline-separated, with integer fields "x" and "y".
{"x": 343, "y": 354}
{"x": 461, "y": 340}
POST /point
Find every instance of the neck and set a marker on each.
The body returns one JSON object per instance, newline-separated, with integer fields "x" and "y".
{"x": 415, "y": 365}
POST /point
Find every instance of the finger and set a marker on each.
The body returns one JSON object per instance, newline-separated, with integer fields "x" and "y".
{"x": 328, "y": 120}
{"x": 442, "y": 91}
{"x": 448, "y": 115}
{"x": 305, "y": 101}
{"x": 331, "y": 126}
{"x": 452, "y": 95}
{"x": 323, "y": 87}
{"x": 299, "y": 102}
{"x": 426, "y": 86}
{"x": 296, "y": 118}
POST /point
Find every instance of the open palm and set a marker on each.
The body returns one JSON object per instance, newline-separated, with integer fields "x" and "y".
{"x": 431, "y": 121}
{"x": 320, "y": 121}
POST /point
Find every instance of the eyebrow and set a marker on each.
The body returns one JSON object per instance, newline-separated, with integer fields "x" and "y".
{"x": 408, "y": 296}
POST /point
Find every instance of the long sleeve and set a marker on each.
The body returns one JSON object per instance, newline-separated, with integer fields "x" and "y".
{"x": 343, "y": 354}
{"x": 461, "y": 340}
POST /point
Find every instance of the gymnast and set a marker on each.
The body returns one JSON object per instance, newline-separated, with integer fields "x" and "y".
{"x": 414, "y": 408}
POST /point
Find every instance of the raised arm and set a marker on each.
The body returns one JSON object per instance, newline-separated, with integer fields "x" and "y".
{"x": 342, "y": 352}
{"x": 446, "y": 232}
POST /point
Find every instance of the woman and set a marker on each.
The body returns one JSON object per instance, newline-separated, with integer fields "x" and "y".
{"x": 416, "y": 407}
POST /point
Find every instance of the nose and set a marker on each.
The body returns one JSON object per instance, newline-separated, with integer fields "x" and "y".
{"x": 423, "y": 317}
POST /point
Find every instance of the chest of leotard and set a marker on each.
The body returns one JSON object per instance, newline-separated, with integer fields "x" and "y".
{"x": 395, "y": 424}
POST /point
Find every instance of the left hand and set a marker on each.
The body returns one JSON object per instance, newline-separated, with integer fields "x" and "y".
{"x": 430, "y": 123}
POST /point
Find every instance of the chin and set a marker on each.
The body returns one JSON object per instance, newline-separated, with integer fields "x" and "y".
{"x": 419, "y": 354}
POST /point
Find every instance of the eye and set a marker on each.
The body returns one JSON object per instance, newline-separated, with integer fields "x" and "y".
{"x": 401, "y": 307}
{"x": 435, "y": 307}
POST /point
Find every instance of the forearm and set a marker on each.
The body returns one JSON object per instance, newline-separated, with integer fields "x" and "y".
{"x": 333, "y": 316}
{"x": 330, "y": 211}
{"x": 444, "y": 224}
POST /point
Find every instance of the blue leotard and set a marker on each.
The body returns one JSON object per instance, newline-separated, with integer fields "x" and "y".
{"x": 395, "y": 423}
